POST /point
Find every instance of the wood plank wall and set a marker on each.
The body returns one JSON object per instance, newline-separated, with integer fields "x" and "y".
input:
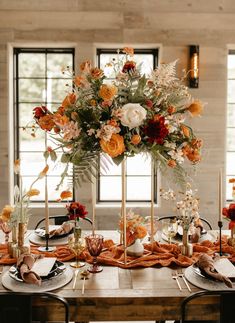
{"x": 173, "y": 23}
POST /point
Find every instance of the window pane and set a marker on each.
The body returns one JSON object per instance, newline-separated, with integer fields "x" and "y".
{"x": 32, "y": 65}
{"x": 52, "y": 182}
{"x": 229, "y": 188}
{"x": 231, "y": 139}
{"x": 139, "y": 164}
{"x": 231, "y": 66}
{"x": 231, "y": 115}
{"x": 29, "y": 143}
{"x": 57, "y": 89}
{"x": 26, "y": 113}
{"x": 31, "y": 90}
{"x": 56, "y": 63}
{"x": 231, "y": 163}
{"x": 139, "y": 188}
{"x": 110, "y": 188}
{"x": 231, "y": 91}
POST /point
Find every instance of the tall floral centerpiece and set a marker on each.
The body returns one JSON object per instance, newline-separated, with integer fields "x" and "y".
{"x": 133, "y": 114}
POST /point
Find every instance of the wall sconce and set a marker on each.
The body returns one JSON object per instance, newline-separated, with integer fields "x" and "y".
{"x": 194, "y": 66}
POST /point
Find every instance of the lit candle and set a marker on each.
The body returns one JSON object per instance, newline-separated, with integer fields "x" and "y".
{"x": 220, "y": 195}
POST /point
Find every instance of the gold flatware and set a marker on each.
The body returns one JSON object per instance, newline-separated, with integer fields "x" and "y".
{"x": 175, "y": 277}
{"x": 181, "y": 274}
{"x": 75, "y": 278}
{"x": 84, "y": 275}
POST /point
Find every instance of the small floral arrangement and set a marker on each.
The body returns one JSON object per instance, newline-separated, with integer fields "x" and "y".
{"x": 135, "y": 228}
{"x": 135, "y": 114}
{"x": 76, "y": 211}
{"x": 20, "y": 214}
{"x": 187, "y": 208}
{"x": 229, "y": 212}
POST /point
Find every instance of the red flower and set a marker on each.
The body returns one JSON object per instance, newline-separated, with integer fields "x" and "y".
{"x": 156, "y": 130}
{"x": 129, "y": 66}
{"x": 149, "y": 103}
{"x": 76, "y": 211}
{"x": 40, "y": 112}
{"x": 229, "y": 212}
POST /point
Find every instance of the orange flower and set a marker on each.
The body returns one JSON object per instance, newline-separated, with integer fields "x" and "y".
{"x": 141, "y": 232}
{"x": 112, "y": 122}
{"x": 194, "y": 156}
{"x": 17, "y": 166}
{"x": 65, "y": 195}
{"x": 6, "y": 213}
{"x": 97, "y": 73}
{"x": 107, "y": 92}
{"x": 195, "y": 108}
{"x": 185, "y": 130}
{"x": 46, "y": 122}
{"x": 171, "y": 163}
{"x": 128, "y": 50}
{"x": 231, "y": 180}
{"x": 43, "y": 172}
{"x": 74, "y": 115}
{"x": 69, "y": 100}
{"x": 171, "y": 109}
{"x": 32, "y": 192}
{"x": 114, "y": 147}
{"x": 197, "y": 143}
{"x": 60, "y": 120}
{"x": 135, "y": 139}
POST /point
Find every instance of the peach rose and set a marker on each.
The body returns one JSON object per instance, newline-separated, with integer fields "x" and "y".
{"x": 107, "y": 92}
{"x": 135, "y": 139}
{"x": 195, "y": 108}
{"x": 114, "y": 147}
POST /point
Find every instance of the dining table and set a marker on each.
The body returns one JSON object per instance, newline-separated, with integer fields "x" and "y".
{"x": 134, "y": 294}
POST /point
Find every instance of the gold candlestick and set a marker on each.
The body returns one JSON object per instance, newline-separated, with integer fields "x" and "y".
{"x": 124, "y": 208}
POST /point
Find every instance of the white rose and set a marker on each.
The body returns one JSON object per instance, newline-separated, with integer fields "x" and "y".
{"x": 132, "y": 115}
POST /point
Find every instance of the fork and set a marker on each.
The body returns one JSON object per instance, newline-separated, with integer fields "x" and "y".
{"x": 181, "y": 274}
{"x": 175, "y": 277}
{"x": 75, "y": 278}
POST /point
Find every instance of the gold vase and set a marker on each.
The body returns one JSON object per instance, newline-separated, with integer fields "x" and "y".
{"x": 186, "y": 247}
{"x": 21, "y": 232}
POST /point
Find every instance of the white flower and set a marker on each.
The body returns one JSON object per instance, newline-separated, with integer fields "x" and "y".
{"x": 71, "y": 130}
{"x": 171, "y": 145}
{"x": 90, "y": 132}
{"x": 106, "y": 132}
{"x": 133, "y": 115}
{"x": 177, "y": 155}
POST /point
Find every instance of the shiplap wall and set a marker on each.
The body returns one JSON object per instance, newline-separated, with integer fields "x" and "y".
{"x": 173, "y": 23}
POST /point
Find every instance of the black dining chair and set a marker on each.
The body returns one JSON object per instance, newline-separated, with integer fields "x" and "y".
{"x": 204, "y": 221}
{"x": 55, "y": 219}
{"x": 16, "y": 307}
{"x": 225, "y": 306}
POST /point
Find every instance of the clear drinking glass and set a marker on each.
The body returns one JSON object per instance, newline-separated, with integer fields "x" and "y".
{"x": 156, "y": 225}
{"x": 169, "y": 228}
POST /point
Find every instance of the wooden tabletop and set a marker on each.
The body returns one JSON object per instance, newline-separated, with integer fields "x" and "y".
{"x": 118, "y": 294}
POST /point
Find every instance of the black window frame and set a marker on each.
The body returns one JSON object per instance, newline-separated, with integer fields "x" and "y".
{"x": 155, "y": 53}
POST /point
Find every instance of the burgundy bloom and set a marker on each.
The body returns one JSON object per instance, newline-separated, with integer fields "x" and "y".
{"x": 149, "y": 103}
{"x": 76, "y": 211}
{"x": 156, "y": 130}
{"x": 40, "y": 112}
{"x": 230, "y": 214}
{"x": 129, "y": 66}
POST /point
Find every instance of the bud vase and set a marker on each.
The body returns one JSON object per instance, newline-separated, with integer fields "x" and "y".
{"x": 136, "y": 249}
{"x": 231, "y": 240}
{"x": 186, "y": 247}
{"x": 21, "y": 232}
